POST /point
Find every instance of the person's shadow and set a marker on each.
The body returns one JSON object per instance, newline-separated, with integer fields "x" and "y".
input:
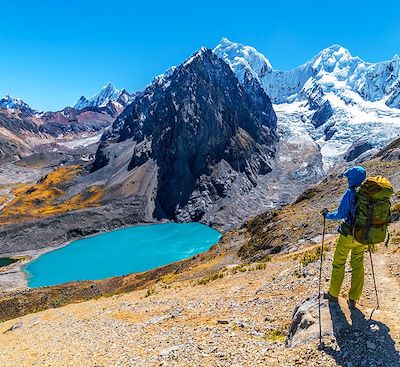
{"x": 363, "y": 343}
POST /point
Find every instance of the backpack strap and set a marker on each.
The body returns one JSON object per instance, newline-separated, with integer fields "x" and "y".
{"x": 354, "y": 220}
{"x": 387, "y": 237}
{"x": 369, "y": 219}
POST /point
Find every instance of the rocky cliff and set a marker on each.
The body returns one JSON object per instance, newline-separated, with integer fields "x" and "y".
{"x": 204, "y": 131}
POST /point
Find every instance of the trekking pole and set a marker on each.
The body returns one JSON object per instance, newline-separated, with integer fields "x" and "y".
{"x": 321, "y": 345}
{"x": 373, "y": 276}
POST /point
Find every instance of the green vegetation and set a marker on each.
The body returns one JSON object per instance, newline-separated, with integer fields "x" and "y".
{"x": 260, "y": 266}
{"x": 168, "y": 278}
{"x": 241, "y": 268}
{"x": 150, "y": 291}
{"x": 311, "y": 255}
{"x": 210, "y": 278}
{"x": 267, "y": 258}
{"x": 275, "y": 336}
{"x": 396, "y": 208}
{"x": 395, "y": 240}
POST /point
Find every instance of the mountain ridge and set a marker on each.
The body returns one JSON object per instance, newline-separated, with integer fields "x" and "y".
{"x": 341, "y": 100}
{"x": 334, "y": 59}
{"x": 25, "y": 131}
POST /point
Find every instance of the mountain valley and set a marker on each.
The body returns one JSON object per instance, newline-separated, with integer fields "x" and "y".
{"x": 222, "y": 139}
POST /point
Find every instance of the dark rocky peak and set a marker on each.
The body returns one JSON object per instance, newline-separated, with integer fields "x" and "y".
{"x": 17, "y": 123}
{"x": 201, "y": 76}
{"x": 391, "y": 152}
{"x": 322, "y": 114}
{"x": 189, "y": 121}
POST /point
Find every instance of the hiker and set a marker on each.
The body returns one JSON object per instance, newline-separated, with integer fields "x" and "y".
{"x": 346, "y": 242}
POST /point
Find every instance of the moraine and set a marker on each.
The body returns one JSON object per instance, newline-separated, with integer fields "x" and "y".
{"x": 121, "y": 252}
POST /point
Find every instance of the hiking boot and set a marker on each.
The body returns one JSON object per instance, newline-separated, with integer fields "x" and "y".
{"x": 352, "y": 304}
{"x": 331, "y": 298}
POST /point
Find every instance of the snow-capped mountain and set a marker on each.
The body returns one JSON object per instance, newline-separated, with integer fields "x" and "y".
{"x": 334, "y": 69}
{"x": 11, "y": 103}
{"x": 337, "y": 99}
{"x": 243, "y": 59}
{"x": 106, "y": 95}
{"x": 25, "y": 131}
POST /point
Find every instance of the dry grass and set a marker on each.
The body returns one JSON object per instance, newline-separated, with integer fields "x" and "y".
{"x": 210, "y": 278}
{"x": 45, "y": 198}
{"x": 149, "y": 292}
{"x": 3, "y": 200}
{"x": 396, "y": 208}
{"x": 168, "y": 278}
{"x": 311, "y": 256}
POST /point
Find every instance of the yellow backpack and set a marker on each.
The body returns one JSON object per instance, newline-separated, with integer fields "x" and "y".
{"x": 373, "y": 210}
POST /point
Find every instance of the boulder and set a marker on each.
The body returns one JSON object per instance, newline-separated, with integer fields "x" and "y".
{"x": 350, "y": 336}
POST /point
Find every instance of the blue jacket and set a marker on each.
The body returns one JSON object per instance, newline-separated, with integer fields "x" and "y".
{"x": 347, "y": 207}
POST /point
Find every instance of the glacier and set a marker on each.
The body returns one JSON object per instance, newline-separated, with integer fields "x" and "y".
{"x": 361, "y": 99}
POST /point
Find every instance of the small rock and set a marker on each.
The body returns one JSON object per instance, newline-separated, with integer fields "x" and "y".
{"x": 307, "y": 321}
{"x": 223, "y": 322}
{"x": 18, "y": 325}
{"x": 241, "y": 324}
{"x": 257, "y": 334}
{"x": 168, "y": 351}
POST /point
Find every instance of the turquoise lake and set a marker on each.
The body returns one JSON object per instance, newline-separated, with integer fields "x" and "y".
{"x": 121, "y": 252}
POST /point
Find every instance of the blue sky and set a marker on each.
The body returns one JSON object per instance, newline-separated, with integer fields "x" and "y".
{"x": 54, "y": 51}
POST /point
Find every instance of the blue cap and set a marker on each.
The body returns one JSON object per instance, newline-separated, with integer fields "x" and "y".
{"x": 355, "y": 175}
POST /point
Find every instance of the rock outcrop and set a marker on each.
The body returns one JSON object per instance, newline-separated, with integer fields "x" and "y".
{"x": 351, "y": 336}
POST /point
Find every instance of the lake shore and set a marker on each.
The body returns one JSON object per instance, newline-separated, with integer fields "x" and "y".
{"x": 119, "y": 252}
{"x": 30, "y": 300}
{"x": 14, "y": 278}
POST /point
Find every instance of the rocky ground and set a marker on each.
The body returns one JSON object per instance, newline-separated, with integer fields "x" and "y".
{"x": 239, "y": 316}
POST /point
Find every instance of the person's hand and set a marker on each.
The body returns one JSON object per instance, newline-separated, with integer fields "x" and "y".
{"x": 324, "y": 212}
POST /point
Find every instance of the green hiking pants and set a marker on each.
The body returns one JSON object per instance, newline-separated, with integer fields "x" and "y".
{"x": 344, "y": 245}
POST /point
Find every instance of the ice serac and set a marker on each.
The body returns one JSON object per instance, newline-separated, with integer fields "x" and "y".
{"x": 243, "y": 59}
{"x": 204, "y": 131}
